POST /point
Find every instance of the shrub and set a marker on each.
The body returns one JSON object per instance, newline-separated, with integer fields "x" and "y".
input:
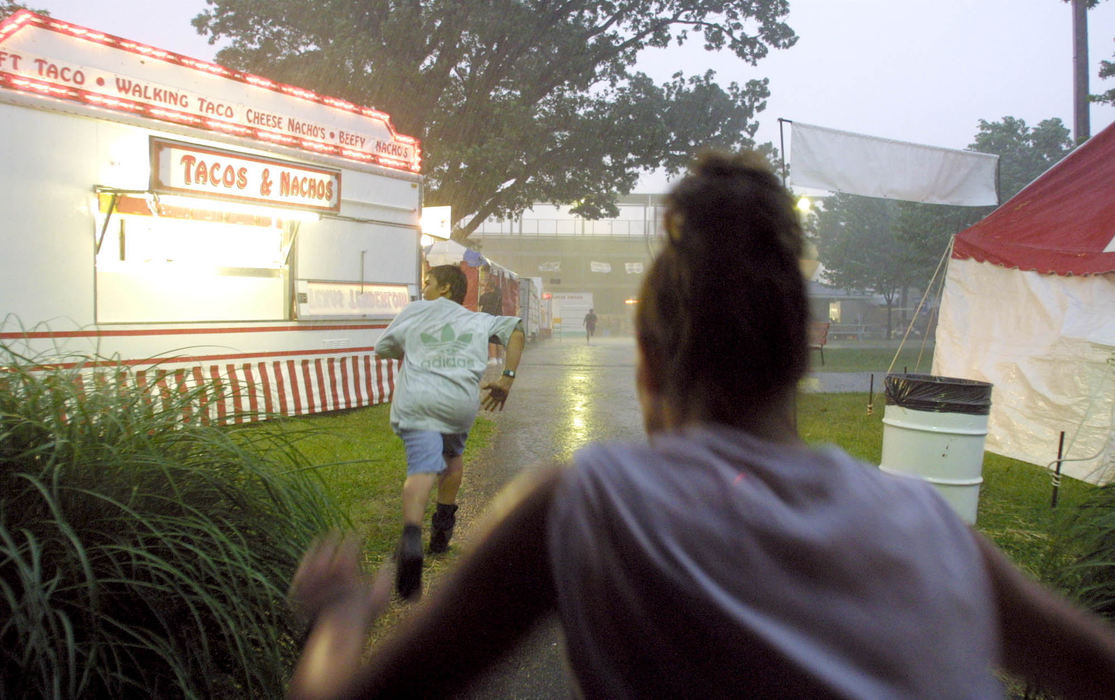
{"x": 143, "y": 553}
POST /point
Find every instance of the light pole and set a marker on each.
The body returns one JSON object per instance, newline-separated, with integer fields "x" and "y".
{"x": 1081, "y": 126}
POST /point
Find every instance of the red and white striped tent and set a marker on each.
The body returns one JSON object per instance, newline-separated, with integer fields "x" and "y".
{"x": 1029, "y": 305}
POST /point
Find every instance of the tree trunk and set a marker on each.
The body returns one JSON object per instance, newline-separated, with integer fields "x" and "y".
{"x": 905, "y": 305}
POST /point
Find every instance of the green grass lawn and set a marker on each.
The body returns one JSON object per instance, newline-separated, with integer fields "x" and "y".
{"x": 868, "y": 359}
{"x": 362, "y": 462}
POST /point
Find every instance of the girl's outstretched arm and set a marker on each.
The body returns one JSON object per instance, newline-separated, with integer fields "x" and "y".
{"x": 491, "y": 600}
{"x": 1045, "y": 639}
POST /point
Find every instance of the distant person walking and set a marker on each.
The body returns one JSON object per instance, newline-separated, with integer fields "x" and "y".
{"x": 590, "y": 325}
{"x": 443, "y": 346}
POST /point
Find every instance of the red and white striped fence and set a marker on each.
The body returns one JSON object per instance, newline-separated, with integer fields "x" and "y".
{"x": 246, "y": 391}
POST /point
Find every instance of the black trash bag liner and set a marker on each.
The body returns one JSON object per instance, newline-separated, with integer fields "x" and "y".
{"x": 925, "y": 392}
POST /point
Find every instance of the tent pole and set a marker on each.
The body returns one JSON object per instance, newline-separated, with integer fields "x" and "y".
{"x": 782, "y": 146}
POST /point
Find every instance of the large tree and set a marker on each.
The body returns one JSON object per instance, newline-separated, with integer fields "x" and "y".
{"x": 1024, "y": 152}
{"x": 517, "y": 101}
{"x": 857, "y": 246}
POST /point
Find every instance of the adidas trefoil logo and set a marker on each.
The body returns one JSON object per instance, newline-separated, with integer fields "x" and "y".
{"x": 446, "y": 340}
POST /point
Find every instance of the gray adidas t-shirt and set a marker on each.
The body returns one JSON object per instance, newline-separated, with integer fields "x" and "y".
{"x": 717, "y": 565}
{"x": 444, "y": 348}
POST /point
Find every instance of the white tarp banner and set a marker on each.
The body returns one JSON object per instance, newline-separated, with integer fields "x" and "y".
{"x": 840, "y": 161}
{"x": 1047, "y": 345}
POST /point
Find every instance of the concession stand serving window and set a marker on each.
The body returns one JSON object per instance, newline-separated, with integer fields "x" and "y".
{"x": 212, "y": 238}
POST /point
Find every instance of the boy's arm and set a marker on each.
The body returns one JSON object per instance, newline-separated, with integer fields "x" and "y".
{"x": 390, "y": 344}
{"x": 1045, "y": 639}
{"x": 501, "y": 388}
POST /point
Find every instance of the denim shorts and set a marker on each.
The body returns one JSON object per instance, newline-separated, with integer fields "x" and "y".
{"x": 426, "y": 450}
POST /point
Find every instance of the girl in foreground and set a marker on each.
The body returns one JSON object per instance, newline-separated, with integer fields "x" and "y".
{"x": 727, "y": 558}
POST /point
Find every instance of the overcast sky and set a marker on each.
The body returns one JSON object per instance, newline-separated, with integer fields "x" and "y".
{"x": 924, "y": 71}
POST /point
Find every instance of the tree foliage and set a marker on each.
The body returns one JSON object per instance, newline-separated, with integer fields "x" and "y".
{"x": 8, "y": 7}
{"x": 1107, "y": 70}
{"x": 517, "y": 101}
{"x": 1024, "y": 152}
{"x": 857, "y": 245}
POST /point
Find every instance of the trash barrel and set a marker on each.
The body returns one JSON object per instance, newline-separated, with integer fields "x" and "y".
{"x": 935, "y": 428}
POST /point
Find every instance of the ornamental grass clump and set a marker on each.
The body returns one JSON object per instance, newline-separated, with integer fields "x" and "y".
{"x": 143, "y": 553}
{"x": 1082, "y": 556}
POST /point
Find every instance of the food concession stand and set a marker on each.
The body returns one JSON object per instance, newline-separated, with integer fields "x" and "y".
{"x": 199, "y": 224}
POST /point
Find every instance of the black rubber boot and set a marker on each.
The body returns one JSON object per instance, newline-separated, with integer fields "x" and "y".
{"x": 441, "y": 527}
{"x": 408, "y": 563}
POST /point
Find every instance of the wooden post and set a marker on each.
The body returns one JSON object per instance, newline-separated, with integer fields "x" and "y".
{"x": 1057, "y": 472}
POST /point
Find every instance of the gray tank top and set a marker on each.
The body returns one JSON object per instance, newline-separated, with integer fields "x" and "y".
{"x": 712, "y": 564}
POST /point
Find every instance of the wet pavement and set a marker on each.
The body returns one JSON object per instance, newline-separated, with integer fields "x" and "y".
{"x": 567, "y": 394}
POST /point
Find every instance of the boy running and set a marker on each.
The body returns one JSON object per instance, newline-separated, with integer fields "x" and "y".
{"x": 444, "y": 351}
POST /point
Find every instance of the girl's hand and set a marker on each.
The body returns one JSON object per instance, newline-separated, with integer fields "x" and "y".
{"x": 329, "y": 573}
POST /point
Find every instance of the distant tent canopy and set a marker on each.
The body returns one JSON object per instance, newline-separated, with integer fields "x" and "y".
{"x": 449, "y": 252}
{"x": 1029, "y": 305}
